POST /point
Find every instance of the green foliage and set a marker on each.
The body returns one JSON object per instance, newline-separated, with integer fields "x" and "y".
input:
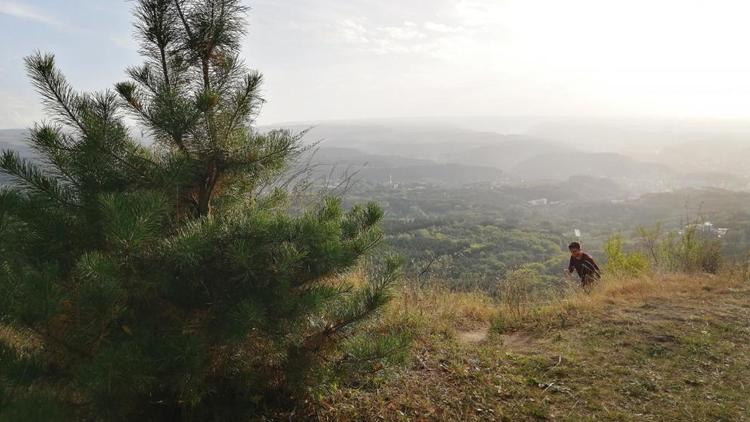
{"x": 624, "y": 263}
{"x": 690, "y": 252}
{"x": 168, "y": 282}
{"x": 473, "y": 254}
{"x": 501, "y": 231}
{"x": 687, "y": 251}
{"x": 649, "y": 239}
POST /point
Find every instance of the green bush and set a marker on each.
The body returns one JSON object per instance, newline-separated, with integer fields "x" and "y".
{"x": 624, "y": 263}
{"x": 691, "y": 252}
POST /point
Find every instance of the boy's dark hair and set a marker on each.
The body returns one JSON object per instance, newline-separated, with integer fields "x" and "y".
{"x": 574, "y": 245}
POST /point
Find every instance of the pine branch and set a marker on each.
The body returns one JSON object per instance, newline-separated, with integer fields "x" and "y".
{"x": 185, "y": 24}
{"x": 164, "y": 67}
{"x": 243, "y": 102}
{"x": 143, "y": 76}
{"x": 33, "y": 178}
{"x": 156, "y": 29}
{"x": 54, "y": 88}
{"x": 55, "y": 147}
{"x": 361, "y": 305}
{"x": 130, "y": 94}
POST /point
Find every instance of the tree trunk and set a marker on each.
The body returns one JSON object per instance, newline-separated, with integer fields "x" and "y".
{"x": 206, "y": 189}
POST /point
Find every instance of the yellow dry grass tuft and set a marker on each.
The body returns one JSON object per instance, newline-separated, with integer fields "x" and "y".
{"x": 437, "y": 310}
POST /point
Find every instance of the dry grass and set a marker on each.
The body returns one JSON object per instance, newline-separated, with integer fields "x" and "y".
{"x": 667, "y": 347}
{"x": 438, "y": 311}
{"x": 574, "y": 303}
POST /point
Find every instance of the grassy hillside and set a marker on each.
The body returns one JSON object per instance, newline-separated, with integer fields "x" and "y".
{"x": 661, "y": 348}
{"x": 668, "y": 347}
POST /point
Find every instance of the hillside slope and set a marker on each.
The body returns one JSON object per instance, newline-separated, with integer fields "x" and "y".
{"x": 667, "y": 349}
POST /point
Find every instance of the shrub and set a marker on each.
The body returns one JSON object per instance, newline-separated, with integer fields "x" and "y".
{"x": 167, "y": 282}
{"x": 624, "y": 263}
{"x": 691, "y": 252}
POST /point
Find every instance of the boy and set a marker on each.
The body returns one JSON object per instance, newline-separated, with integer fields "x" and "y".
{"x": 583, "y": 264}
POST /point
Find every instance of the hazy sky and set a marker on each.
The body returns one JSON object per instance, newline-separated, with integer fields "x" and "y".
{"x": 344, "y": 59}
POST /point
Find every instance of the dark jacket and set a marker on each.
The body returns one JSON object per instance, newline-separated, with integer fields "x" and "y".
{"x": 585, "y": 266}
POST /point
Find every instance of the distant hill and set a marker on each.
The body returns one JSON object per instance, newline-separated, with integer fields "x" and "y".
{"x": 349, "y": 156}
{"x": 548, "y": 157}
{"x": 560, "y": 166}
{"x": 700, "y": 201}
{"x": 708, "y": 157}
{"x": 509, "y": 152}
{"x": 436, "y": 143}
{"x": 716, "y": 179}
{"x": 673, "y": 209}
{"x": 375, "y": 168}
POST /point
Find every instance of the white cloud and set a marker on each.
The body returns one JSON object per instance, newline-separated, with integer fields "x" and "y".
{"x": 450, "y": 31}
{"x": 354, "y": 32}
{"x": 406, "y": 38}
{"x": 405, "y": 32}
{"x": 22, "y": 11}
{"x": 442, "y": 28}
{"x": 480, "y": 13}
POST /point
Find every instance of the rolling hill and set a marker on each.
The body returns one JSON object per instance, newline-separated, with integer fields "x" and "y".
{"x": 561, "y": 166}
{"x": 338, "y": 162}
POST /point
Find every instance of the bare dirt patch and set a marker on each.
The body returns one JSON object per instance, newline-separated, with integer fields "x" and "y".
{"x": 518, "y": 342}
{"x": 473, "y": 336}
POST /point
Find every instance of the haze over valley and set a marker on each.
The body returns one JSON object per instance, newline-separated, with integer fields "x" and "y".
{"x": 682, "y": 157}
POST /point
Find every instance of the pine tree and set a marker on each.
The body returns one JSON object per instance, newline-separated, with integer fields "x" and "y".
{"x": 162, "y": 281}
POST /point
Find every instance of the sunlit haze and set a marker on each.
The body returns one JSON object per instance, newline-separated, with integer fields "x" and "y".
{"x": 334, "y": 60}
